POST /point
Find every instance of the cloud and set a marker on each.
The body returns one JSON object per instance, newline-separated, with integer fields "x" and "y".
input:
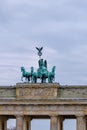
{"x": 59, "y": 26}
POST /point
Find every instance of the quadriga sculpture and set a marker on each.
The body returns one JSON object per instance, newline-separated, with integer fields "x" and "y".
{"x": 42, "y": 72}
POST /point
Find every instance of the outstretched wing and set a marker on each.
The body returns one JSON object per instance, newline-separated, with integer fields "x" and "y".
{"x": 41, "y": 48}
{"x": 37, "y": 48}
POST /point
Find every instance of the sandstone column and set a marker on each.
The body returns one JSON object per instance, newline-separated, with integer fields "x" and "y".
{"x": 0, "y": 124}
{"x": 5, "y": 124}
{"x": 19, "y": 122}
{"x": 24, "y": 124}
{"x": 54, "y": 123}
{"x": 60, "y": 123}
{"x": 27, "y": 123}
{"x": 81, "y": 122}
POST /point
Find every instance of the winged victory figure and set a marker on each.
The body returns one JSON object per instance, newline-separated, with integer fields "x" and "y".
{"x": 39, "y": 51}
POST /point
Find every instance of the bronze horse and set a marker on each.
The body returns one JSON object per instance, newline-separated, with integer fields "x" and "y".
{"x": 26, "y": 75}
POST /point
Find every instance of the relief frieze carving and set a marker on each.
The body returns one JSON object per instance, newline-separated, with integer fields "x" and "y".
{"x": 36, "y": 92}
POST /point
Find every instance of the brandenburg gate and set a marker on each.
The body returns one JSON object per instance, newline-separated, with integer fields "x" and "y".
{"x": 25, "y": 102}
{"x": 44, "y": 100}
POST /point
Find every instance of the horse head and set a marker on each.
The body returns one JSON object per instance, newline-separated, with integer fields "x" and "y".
{"x": 32, "y": 69}
{"x": 24, "y": 73}
{"x": 51, "y": 76}
{"x": 53, "y": 69}
{"x": 22, "y": 69}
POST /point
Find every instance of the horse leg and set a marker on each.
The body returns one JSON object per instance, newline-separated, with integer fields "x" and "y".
{"x": 25, "y": 79}
{"x": 31, "y": 80}
{"x": 21, "y": 78}
{"x": 49, "y": 78}
{"x": 28, "y": 79}
{"x": 35, "y": 79}
{"x": 42, "y": 80}
{"x": 52, "y": 78}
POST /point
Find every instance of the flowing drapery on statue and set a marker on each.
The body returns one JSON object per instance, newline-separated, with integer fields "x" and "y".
{"x": 42, "y": 72}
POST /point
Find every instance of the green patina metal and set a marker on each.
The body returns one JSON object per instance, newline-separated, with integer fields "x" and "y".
{"x": 42, "y": 72}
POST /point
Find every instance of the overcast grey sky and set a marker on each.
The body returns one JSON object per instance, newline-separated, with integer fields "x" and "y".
{"x": 60, "y": 26}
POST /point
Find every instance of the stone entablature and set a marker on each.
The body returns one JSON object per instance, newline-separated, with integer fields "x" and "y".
{"x": 44, "y": 99}
{"x": 27, "y": 101}
{"x": 75, "y": 91}
{"x": 7, "y": 92}
{"x": 35, "y": 91}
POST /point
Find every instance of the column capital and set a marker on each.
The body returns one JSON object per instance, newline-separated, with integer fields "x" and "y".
{"x": 28, "y": 118}
{"x": 19, "y": 115}
{"x": 3, "y": 118}
{"x": 80, "y": 115}
{"x": 53, "y": 115}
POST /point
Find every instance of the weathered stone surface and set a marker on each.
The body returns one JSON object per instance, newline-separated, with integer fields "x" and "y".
{"x": 34, "y": 91}
{"x": 51, "y": 101}
{"x": 72, "y": 92}
{"x": 43, "y": 99}
{"x": 7, "y": 92}
{"x": 54, "y": 123}
{"x": 19, "y": 122}
{"x": 81, "y": 122}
